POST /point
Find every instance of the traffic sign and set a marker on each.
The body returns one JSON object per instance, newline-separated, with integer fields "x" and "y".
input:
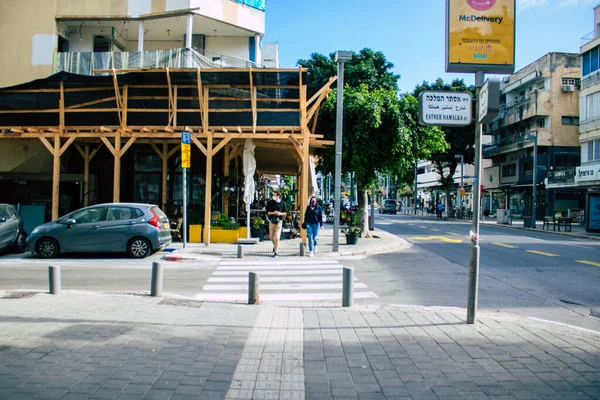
{"x": 445, "y": 108}
{"x": 185, "y": 149}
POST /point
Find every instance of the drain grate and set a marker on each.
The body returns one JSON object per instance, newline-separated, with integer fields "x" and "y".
{"x": 19, "y": 295}
{"x": 181, "y": 303}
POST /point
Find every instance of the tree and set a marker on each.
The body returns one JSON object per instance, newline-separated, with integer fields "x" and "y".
{"x": 380, "y": 129}
{"x": 460, "y": 139}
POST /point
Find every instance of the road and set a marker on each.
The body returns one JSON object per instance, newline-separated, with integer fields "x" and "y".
{"x": 530, "y": 273}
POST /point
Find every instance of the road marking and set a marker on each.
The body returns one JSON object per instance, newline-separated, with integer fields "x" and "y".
{"x": 452, "y": 233}
{"x": 508, "y": 246}
{"x": 442, "y": 238}
{"x": 595, "y": 264}
{"x": 421, "y": 226}
{"x": 436, "y": 230}
{"x": 543, "y": 253}
{"x": 281, "y": 280}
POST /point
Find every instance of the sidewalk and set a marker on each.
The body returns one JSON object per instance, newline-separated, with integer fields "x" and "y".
{"x": 92, "y": 346}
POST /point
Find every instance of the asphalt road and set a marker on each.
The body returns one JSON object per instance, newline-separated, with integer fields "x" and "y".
{"x": 531, "y": 273}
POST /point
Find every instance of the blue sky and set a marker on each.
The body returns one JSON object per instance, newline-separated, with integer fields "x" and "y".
{"x": 411, "y": 32}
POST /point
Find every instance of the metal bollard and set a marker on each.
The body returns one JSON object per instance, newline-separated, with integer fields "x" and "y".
{"x": 240, "y": 251}
{"x": 157, "y": 280}
{"x": 54, "y": 279}
{"x": 253, "y": 288}
{"x": 348, "y": 287}
{"x": 302, "y": 249}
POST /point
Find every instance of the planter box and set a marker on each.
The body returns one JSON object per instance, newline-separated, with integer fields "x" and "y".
{"x": 224, "y": 235}
{"x": 195, "y": 234}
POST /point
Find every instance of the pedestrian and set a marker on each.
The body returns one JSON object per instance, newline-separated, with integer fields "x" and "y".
{"x": 440, "y": 208}
{"x": 313, "y": 218}
{"x": 276, "y": 210}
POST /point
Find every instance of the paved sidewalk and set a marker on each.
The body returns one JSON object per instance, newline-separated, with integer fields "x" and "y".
{"x": 91, "y": 346}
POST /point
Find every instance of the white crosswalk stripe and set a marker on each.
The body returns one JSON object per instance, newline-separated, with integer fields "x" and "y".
{"x": 289, "y": 280}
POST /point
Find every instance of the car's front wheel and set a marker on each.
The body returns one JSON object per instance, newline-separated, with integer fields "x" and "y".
{"x": 47, "y": 248}
{"x": 139, "y": 247}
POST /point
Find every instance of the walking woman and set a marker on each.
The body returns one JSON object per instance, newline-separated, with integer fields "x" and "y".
{"x": 313, "y": 218}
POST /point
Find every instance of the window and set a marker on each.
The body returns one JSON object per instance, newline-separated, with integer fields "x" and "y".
{"x": 570, "y": 81}
{"x": 120, "y": 213}
{"x": 593, "y": 151}
{"x": 541, "y": 123}
{"x": 589, "y": 107}
{"x": 566, "y": 120}
{"x": 590, "y": 61}
{"x": 509, "y": 170}
{"x": 96, "y": 214}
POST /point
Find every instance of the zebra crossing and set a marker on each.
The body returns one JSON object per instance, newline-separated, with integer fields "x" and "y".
{"x": 280, "y": 280}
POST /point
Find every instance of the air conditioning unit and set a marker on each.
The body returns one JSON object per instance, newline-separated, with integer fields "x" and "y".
{"x": 568, "y": 88}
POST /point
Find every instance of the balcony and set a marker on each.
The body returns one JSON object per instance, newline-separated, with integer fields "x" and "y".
{"x": 524, "y": 107}
{"x": 84, "y": 63}
{"x": 515, "y": 141}
{"x": 589, "y": 37}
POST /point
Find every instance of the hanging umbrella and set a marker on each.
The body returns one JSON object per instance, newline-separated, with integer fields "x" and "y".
{"x": 313, "y": 186}
{"x": 249, "y": 169}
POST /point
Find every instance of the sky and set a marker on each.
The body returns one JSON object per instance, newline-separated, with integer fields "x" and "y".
{"x": 411, "y": 33}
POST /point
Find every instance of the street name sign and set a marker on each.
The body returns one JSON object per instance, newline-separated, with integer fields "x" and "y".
{"x": 444, "y": 108}
{"x": 489, "y": 101}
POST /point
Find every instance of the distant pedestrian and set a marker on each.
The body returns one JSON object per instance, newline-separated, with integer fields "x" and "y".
{"x": 440, "y": 209}
{"x": 313, "y": 218}
{"x": 276, "y": 210}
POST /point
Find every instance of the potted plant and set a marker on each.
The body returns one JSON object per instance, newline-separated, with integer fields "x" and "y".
{"x": 353, "y": 230}
{"x": 226, "y": 230}
{"x": 257, "y": 227}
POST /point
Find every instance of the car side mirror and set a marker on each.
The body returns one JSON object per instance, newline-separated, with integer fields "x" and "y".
{"x": 2, "y": 219}
{"x": 70, "y": 222}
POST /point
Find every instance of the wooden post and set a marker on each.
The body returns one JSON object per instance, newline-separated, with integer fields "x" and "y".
{"x": 56, "y": 177}
{"x": 86, "y": 174}
{"x": 117, "y": 171}
{"x": 165, "y": 158}
{"x": 175, "y": 107}
{"x": 305, "y": 155}
{"x": 226, "y": 173}
{"x": 208, "y": 177}
{"x": 124, "y": 105}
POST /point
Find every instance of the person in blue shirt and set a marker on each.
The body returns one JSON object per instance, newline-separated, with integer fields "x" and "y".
{"x": 313, "y": 218}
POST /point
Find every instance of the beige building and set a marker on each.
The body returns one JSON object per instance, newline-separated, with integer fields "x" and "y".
{"x": 42, "y": 37}
{"x": 587, "y": 175}
{"x": 539, "y": 103}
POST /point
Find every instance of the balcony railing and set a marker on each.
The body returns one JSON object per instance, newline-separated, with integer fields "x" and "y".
{"x": 495, "y": 146}
{"x": 86, "y": 62}
{"x": 590, "y": 80}
{"x": 589, "y": 37}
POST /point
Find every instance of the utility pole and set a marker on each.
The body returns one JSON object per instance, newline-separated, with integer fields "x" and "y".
{"x": 340, "y": 58}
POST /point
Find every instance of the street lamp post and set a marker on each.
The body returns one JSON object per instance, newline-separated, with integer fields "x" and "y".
{"x": 534, "y": 189}
{"x": 340, "y": 58}
{"x": 462, "y": 177}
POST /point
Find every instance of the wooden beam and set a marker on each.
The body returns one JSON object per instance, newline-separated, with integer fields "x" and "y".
{"x": 108, "y": 144}
{"x": 91, "y": 103}
{"x": 124, "y": 106}
{"x": 207, "y": 191}
{"x": 200, "y": 98}
{"x": 175, "y": 106}
{"x": 173, "y": 151}
{"x": 305, "y": 155}
{"x": 61, "y": 107}
{"x": 252, "y": 100}
{"x": 221, "y": 144}
{"x": 164, "y": 158}
{"x": 226, "y": 162}
{"x": 117, "y": 95}
{"x": 170, "y": 97}
{"x": 157, "y": 150}
{"x": 317, "y": 105}
{"x": 117, "y": 170}
{"x": 200, "y": 145}
{"x": 324, "y": 89}
{"x": 46, "y": 143}
{"x": 66, "y": 145}
{"x": 297, "y": 146}
{"x": 127, "y": 146}
{"x": 56, "y": 178}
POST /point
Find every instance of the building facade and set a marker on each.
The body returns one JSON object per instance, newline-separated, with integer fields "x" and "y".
{"x": 587, "y": 175}
{"x": 536, "y": 127}
{"x": 430, "y": 190}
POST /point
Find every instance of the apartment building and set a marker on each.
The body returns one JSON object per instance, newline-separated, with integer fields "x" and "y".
{"x": 537, "y": 124}
{"x": 43, "y": 37}
{"x": 587, "y": 175}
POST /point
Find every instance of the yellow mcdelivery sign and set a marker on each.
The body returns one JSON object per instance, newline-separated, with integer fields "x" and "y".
{"x": 480, "y": 36}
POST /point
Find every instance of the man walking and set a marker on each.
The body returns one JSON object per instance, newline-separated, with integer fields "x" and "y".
{"x": 276, "y": 210}
{"x": 440, "y": 208}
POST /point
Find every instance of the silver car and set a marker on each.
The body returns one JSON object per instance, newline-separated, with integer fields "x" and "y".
{"x": 12, "y": 235}
{"x": 138, "y": 229}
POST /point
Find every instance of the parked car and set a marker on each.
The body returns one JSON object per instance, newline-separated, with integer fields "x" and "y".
{"x": 12, "y": 235}
{"x": 138, "y": 229}
{"x": 389, "y": 206}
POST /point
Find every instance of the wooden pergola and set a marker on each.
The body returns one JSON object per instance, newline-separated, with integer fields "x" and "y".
{"x": 267, "y": 105}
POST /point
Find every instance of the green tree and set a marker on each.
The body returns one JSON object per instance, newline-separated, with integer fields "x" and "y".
{"x": 460, "y": 139}
{"x": 380, "y": 130}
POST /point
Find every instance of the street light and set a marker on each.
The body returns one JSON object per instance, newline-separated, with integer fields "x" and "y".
{"x": 534, "y": 189}
{"x": 340, "y": 57}
{"x": 462, "y": 171}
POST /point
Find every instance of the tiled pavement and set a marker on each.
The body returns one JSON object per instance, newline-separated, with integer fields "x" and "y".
{"x": 100, "y": 346}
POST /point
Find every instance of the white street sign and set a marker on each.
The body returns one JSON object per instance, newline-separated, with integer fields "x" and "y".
{"x": 441, "y": 108}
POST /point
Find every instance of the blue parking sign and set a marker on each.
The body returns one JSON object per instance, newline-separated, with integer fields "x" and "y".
{"x": 185, "y": 137}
